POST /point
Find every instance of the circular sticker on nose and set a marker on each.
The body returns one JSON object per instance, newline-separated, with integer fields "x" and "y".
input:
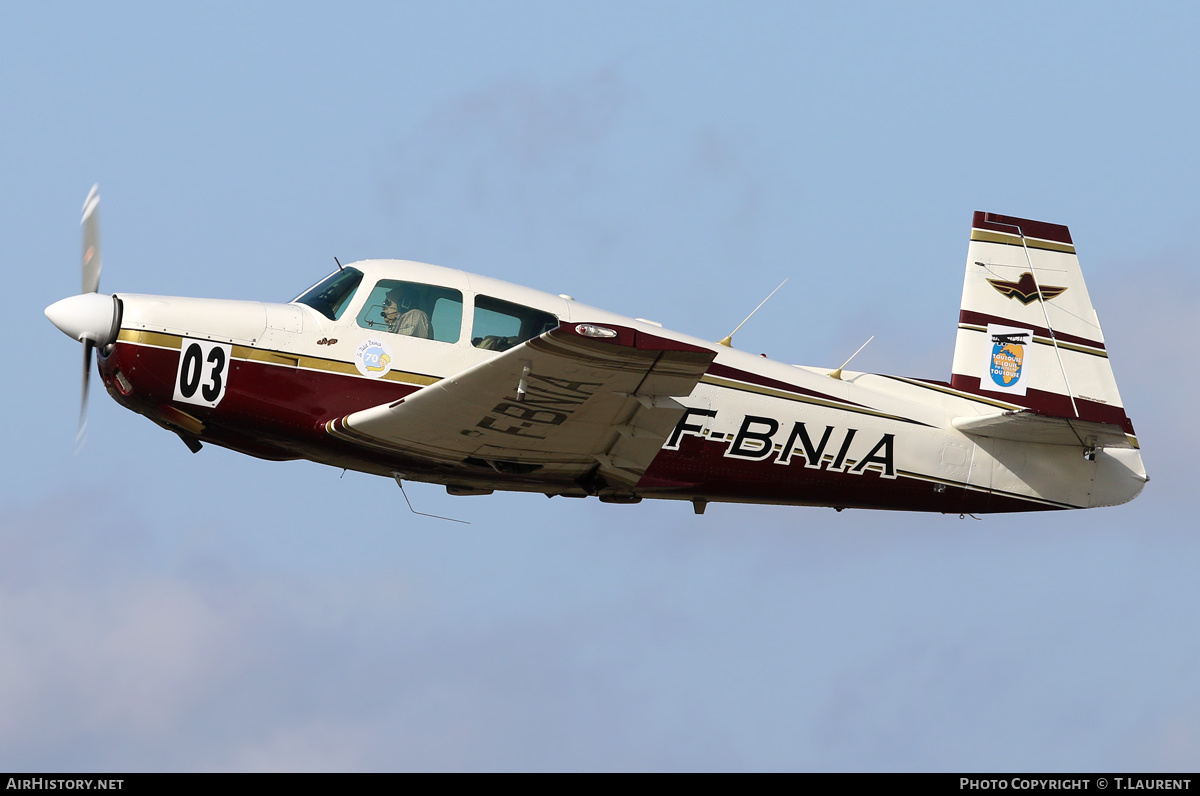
{"x": 373, "y": 358}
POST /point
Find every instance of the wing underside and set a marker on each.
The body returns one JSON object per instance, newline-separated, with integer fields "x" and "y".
{"x": 562, "y": 408}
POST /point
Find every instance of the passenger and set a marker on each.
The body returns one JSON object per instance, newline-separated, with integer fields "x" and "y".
{"x": 403, "y": 318}
{"x": 496, "y": 342}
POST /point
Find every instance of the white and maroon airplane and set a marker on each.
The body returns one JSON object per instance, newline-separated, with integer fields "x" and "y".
{"x": 423, "y": 373}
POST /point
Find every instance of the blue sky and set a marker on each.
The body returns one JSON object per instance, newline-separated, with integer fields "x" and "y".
{"x": 675, "y": 161}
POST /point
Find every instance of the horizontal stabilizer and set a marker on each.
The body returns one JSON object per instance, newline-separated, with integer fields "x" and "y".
{"x": 1024, "y": 426}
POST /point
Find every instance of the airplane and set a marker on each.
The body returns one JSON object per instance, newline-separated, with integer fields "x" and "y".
{"x": 422, "y": 373}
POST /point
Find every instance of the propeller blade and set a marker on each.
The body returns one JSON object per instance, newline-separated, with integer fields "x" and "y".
{"x": 88, "y": 345}
{"x": 91, "y": 241}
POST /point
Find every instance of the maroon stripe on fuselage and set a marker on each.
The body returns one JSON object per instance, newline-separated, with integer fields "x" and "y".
{"x": 261, "y": 400}
{"x": 1032, "y": 229}
{"x": 700, "y": 469}
{"x": 724, "y": 371}
{"x": 276, "y": 412}
{"x": 1050, "y": 404}
{"x": 983, "y": 319}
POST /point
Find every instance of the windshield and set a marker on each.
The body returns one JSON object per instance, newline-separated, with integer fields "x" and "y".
{"x": 332, "y": 294}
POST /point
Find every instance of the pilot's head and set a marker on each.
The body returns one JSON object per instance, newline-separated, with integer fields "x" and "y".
{"x": 395, "y": 301}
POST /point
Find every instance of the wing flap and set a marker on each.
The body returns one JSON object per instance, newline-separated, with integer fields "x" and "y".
{"x": 1024, "y": 426}
{"x": 562, "y": 405}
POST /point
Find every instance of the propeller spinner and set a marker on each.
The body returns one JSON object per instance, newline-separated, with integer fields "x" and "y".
{"x": 90, "y": 317}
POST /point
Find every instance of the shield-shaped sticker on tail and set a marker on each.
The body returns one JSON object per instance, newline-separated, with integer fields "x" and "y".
{"x": 1004, "y": 369}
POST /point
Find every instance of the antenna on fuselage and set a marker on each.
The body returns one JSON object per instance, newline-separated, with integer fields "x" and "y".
{"x": 837, "y": 374}
{"x": 400, "y": 482}
{"x": 728, "y": 340}
{"x": 339, "y": 262}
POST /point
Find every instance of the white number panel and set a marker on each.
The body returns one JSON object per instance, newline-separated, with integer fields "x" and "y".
{"x": 203, "y": 369}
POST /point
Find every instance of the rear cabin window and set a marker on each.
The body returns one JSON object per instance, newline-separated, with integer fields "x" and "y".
{"x": 331, "y": 295}
{"x": 414, "y": 310}
{"x": 500, "y": 325}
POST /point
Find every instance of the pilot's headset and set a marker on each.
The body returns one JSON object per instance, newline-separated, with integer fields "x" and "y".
{"x": 401, "y": 297}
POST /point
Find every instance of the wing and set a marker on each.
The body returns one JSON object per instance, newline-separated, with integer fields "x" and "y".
{"x": 564, "y": 407}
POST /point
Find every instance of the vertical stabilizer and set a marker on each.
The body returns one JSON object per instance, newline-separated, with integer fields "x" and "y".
{"x": 1027, "y": 332}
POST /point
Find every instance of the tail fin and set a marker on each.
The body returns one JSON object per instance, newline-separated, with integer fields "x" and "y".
{"x": 1027, "y": 332}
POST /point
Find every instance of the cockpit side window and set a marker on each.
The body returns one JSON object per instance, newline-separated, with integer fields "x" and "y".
{"x": 414, "y": 310}
{"x": 331, "y": 295}
{"x": 500, "y": 325}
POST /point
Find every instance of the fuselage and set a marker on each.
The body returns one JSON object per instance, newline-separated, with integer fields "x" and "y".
{"x": 268, "y": 379}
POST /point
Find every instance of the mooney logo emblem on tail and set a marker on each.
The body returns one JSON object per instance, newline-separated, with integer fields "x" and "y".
{"x": 1025, "y": 289}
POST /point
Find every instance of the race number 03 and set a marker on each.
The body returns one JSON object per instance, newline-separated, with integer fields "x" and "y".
{"x": 203, "y": 371}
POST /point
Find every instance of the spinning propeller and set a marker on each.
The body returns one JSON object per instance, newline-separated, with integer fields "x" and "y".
{"x": 90, "y": 317}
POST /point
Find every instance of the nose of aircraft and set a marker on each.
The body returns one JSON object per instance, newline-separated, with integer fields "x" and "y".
{"x": 87, "y": 316}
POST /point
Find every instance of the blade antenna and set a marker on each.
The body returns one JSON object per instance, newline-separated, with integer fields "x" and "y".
{"x": 728, "y": 340}
{"x": 837, "y": 374}
{"x": 400, "y": 482}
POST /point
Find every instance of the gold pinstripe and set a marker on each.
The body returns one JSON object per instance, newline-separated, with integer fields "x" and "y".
{"x": 980, "y": 399}
{"x": 957, "y": 393}
{"x": 1081, "y": 349}
{"x": 156, "y": 339}
{"x": 1015, "y": 240}
{"x": 791, "y": 396}
{"x": 271, "y": 357}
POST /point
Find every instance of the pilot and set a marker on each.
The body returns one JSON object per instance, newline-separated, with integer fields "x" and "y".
{"x": 403, "y": 318}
